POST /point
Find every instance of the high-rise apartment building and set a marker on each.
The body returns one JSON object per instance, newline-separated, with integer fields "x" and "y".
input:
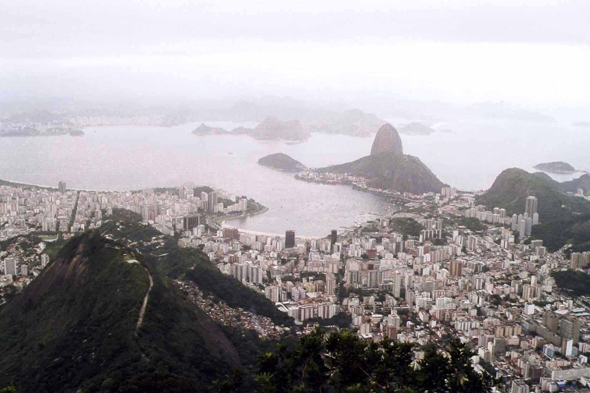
{"x": 289, "y": 239}
{"x": 333, "y": 237}
{"x": 212, "y": 201}
{"x": 10, "y": 266}
{"x": 569, "y": 328}
{"x": 456, "y": 268}
{"x": 62, "y": 187}
{"x": 330, "y": 284}
{"x": 231, "y": 233}
{"x": 580, "y": 260}
{"x": 531, "y": 206}
{"x": 191, "y": 221}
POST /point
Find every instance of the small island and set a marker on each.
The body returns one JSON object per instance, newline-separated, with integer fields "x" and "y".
{"x": 204, "y": 129}
{"x": 282, "y": 162}
{"x": 416, "y": 128}
{"x": 557, "y": 167}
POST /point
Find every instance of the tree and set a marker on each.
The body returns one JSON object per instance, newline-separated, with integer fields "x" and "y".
{"x": 462, "y": 377}
{"x": 8, "y": 389}
{"x": 343, "y": 362}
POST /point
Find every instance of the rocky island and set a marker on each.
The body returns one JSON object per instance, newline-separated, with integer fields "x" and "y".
{"x": 416, "y": 128}
{"x": 282, "y": 162}
{"x": 204, "y": 129}
{"x": 557, "y": 167}
{"x": 387, "y": 168}
{"x": 269, "y": 129}
{"x": 272, "y": 129}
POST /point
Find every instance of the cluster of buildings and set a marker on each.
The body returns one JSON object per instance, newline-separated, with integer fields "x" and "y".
{"x": 220, "y": 312}
{"x": 580, "y": 260}
{"x": 329, "y": 178}
{"x": 26, "y": 210}
{"x": 49, "y": 213}
{"x": 29, "y": 209}
{"x": 522, "y": 223}
{"x": 36, "y": 124}
{"x": 20, "y": 262}
{"x": 486, "y": 288}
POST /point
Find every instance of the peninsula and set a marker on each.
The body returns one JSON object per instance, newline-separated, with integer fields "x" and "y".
{"x": 386, "y": 168}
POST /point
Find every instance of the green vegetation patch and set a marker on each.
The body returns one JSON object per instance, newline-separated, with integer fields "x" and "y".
{"x": 577, "y": 283}
{"x": 407, "y": 227}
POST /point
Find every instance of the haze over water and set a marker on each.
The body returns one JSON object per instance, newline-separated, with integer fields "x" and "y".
{"x": 138, "y": 157}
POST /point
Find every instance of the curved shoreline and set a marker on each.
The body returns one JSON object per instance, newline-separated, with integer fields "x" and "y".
{"x": 22, "y": 184}
{"x": 224, "y": 224}
{"x": 256, "y": 213}
{"x": 380, "y": 193}
{"x": 251, "y": 232}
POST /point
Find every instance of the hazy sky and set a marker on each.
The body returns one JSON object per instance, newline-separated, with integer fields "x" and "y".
{"x": 530, "y": 52}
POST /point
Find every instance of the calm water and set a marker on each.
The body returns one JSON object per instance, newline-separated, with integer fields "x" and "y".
{"x": 124, "y": 158}
{"x": 478, "y": 151}
{"x": 129, "y": 158}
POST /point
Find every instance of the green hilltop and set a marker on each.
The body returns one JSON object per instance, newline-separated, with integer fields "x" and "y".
{"x": 75, "y": 327}
{"x": 563, "y": 218}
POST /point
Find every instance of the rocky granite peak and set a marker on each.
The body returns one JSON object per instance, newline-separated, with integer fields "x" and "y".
{"x": 387, "y": 140}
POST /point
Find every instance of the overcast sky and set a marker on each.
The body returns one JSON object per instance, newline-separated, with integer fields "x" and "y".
{"x": 530, "y": 52}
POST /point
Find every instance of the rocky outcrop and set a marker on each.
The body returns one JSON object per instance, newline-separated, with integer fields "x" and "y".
{"x": 273, "y": 128}
{"x": 387, "y": 168}
{"x": 204, "y": 129}
{"x": 282, "y": 162}
{"x": 387, "y": 140}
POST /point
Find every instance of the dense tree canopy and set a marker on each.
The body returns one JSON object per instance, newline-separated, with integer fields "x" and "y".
{"x": 343, "y": 362}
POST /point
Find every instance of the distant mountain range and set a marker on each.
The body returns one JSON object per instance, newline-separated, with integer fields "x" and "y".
{"x": 352, "y": 122}
{"x": 387, "y": 168}
{"x": 316, "y": 117}
{"x": 273, "y": 128}
{"x": 269, "y": 129}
